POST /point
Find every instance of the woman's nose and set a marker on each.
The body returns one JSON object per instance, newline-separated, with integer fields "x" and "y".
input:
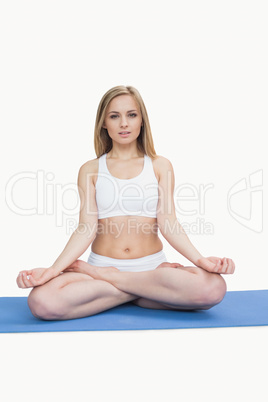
{"x": 124, "y": 122}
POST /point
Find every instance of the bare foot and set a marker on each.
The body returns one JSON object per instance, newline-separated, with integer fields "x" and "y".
{"x": 169, "y": 265}
{"x": 102, "y": 273}
{"x": 83, "y": 267}
{"x": 79, "y": 266}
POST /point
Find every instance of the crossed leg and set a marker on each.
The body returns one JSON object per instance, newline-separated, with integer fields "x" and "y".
{"x": 182, "y": 288}
{"x": 75, "y": 294}
{"x": 208, "y": 295}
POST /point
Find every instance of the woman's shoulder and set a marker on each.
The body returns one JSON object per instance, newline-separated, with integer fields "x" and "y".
{"x": 161, "y": 164}
{"x": 90, "y": 165}
{"x": 161, "y": 159}
{"x": 91, "y": 168}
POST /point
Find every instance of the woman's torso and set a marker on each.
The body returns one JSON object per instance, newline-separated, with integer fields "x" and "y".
{"x": 126, "y": 236}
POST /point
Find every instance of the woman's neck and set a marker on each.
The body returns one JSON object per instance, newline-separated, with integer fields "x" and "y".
{"x": 124, "y": 154}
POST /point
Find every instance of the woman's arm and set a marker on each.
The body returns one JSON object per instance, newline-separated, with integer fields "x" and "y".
{"x": 173, "y": 232}
{"x": 88, "y": 221}
{"x": 79, "y": 240}
{"x": 167, "y": 221}
{"x": 76, "y": 246}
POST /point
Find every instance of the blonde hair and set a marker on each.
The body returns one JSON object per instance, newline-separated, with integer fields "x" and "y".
{"x": 102, "y": 141}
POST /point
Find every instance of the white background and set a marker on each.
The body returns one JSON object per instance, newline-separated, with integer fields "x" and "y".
{"x": 201, "y": 68}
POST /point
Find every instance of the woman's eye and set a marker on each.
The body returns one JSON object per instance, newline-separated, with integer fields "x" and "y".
{"x": 115, "y": 115}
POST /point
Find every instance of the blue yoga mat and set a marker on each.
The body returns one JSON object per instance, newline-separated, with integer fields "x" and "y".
{"x": 238, "y": 308}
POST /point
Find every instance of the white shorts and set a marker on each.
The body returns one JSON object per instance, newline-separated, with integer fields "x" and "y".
{"x": 147, "y": 263}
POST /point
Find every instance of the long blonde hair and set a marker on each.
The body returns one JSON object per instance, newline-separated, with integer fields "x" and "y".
{"x": 102, "y": 141}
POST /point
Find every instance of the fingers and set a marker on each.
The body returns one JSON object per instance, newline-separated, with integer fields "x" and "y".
{"x": 226, "y": 266}
{"x": 218, "y": 266}
{"x": 24, "y": 280}
{"x": 230, "y": 266}
{"x": 19, "y": 281}
{"x": 215, "y": 259}
{"x": 33, "y": 282}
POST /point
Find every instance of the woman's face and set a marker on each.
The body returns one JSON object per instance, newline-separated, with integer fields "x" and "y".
{"x": 123, "y": 114}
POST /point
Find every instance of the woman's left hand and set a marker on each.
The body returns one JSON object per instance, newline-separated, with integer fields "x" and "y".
{"x": 217, "y": 265}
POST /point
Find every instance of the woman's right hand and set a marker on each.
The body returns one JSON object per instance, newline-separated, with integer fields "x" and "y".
{"x": 35, "y": 277}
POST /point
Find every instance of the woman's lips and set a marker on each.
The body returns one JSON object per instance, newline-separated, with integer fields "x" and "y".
{"x": 125, "y": 134}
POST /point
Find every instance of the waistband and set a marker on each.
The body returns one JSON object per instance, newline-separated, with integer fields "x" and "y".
{"x": 127, "y": 261}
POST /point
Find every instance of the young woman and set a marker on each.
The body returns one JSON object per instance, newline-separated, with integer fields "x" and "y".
{"x": 126, "y": 195}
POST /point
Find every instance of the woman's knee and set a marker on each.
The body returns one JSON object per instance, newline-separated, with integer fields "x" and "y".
{"x": 211, "y": 289}
{"x": 214, "y": 290}
{"x": 43, "y": 305}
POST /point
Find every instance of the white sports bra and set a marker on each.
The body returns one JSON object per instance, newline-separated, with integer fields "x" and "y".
{"x": 137, "y": 196}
